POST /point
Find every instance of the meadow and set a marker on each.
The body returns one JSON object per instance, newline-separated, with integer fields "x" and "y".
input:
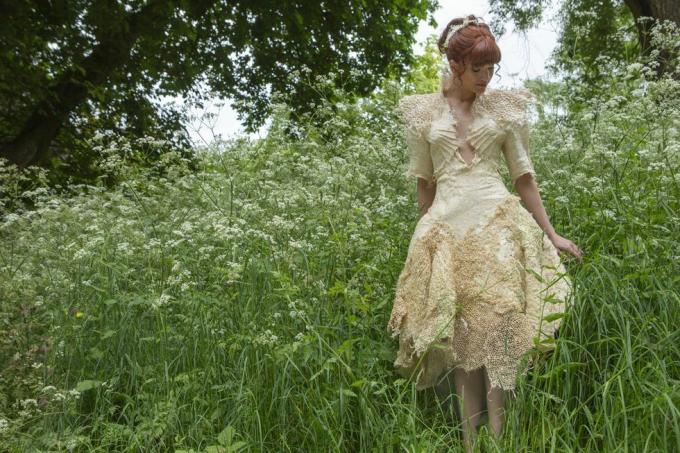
{"x": 243, "y": 306}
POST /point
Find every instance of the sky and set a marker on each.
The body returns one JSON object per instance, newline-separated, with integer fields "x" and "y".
{"x": 523, "y": 57}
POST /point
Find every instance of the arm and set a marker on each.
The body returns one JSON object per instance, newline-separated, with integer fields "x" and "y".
{"x": 425, "y": 194}
{"x": 515, "y": 149}
{"x": 528, "y": 191}
{"x": 415, "y": 112}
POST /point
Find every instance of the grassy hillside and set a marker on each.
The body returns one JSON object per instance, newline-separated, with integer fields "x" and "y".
{"x": 245, "y": 305}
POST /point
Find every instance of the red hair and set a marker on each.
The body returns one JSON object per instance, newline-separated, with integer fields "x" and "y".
{"x": 471, "y": 44}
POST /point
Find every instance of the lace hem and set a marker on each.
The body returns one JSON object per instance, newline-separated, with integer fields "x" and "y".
{"x": 479, "y": 300}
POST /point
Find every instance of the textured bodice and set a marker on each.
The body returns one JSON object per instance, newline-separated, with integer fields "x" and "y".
{"x": 484, "y": 136}
{"x": 499, "y": 128}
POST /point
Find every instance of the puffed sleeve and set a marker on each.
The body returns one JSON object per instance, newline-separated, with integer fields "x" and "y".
{"x": 516, "y": 144}
{"x": 414, "y": 112}
{"x": 420, "y": 160}
{"x": 516, "y": 151}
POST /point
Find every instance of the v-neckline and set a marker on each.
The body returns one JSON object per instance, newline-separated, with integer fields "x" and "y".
{"x": 474, "y": 113}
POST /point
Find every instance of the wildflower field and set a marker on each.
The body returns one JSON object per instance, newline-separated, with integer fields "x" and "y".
{"x": 243, "y": 306}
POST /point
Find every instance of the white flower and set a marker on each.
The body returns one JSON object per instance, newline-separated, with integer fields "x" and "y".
{"x": 162, "y": 300}
{"x": 74, "y": 393}
{"x": 4, "y": 425}
{"x": 71, "y": 444}
{"x": 267, "y": 338}
{"x": 634, "y": 67}
{"x": 609, "y": 213}
{"x": 29, "y": 402}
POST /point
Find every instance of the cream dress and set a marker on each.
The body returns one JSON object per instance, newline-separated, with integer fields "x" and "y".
{"x": 482, "y": 284}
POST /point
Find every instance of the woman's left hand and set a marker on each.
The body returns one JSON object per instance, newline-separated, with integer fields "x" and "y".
{"x": 566, "y": 245}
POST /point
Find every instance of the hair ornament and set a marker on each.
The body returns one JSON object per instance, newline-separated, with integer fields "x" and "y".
{"x": 454, "y": 28}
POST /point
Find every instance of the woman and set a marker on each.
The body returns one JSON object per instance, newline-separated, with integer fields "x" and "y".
{"x": 483, "y": 272}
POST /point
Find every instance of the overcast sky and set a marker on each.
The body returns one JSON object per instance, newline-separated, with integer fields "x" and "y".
{"x": 523, "y": 57}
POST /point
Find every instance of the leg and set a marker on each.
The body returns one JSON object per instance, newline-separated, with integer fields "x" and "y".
{"x": 446, "y": 392}
{"x": 495, "y": 403}
{"x": 470, "y": 388}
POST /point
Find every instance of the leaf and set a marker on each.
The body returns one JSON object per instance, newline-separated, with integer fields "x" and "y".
{"x": 89, "y": 384}
{"x": 358, "y": 383}
{"x": 348, "y": 392}
{"x": 299, "y": 19}
{"x": 345, "y": 345}
{"x": 554, "y": 316}
{"x": 236, "y": 446}
{"x": 225, "y": 437}
{"x": 96, "y": 353}
{"x": 108, "y": 334}
{"x": 535, "y": 274}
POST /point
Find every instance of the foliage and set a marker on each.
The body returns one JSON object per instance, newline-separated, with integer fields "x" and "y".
{"x": 129, "y": 55}
{"x": 424, "y": 75}
{"x": 244, "y": 305}
{"x": 524, "y": 15}
{"x": 590, "y": 32}
{"x": 594, "y": 29}
{"x": 578, "y": 89}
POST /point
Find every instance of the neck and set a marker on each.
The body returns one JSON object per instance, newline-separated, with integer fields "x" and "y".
{"x": 463, "y": 96}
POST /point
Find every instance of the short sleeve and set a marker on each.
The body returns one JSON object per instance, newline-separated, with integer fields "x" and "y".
{"x": 516, "y": 151}
{"x": 420, "y": 160}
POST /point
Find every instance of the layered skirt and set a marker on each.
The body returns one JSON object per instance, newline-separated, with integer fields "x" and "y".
{"x": 482, "y": 285}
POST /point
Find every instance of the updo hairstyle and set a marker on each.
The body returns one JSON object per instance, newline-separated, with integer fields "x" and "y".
{"x": 471, "y": 44}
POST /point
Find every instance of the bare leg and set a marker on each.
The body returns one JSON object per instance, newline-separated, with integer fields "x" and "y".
{"x": 495, "y": 403}
{"x": 470, "y": 388}
{"x": 443, "y": 389}
{"x": 446, "y": 394}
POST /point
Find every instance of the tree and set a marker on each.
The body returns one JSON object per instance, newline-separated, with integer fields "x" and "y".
{"x": 591, "y": 28}
{"x": 64, "y": 63}
{"x": 425, "y": 72}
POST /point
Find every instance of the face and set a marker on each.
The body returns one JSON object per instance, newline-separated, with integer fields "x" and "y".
{"x": 476, "y": 76}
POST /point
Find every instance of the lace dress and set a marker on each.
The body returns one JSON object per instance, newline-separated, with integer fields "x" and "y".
{"x": 482, "y": 284}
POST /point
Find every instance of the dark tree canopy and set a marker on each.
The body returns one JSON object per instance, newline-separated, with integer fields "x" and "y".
{"x": 71, "y": 67}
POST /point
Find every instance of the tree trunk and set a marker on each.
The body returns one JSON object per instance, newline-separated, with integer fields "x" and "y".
{"x": 72, "y": 88}
{"x": 659, "y": 10}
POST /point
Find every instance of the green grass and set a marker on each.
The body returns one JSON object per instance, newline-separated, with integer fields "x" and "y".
{"x": 245, "y": 305}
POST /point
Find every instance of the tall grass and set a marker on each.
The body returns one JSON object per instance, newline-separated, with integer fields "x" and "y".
{"x": 244, "y": 306}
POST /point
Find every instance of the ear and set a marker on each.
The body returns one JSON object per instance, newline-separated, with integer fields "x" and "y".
{"x": 454, "y": 66}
